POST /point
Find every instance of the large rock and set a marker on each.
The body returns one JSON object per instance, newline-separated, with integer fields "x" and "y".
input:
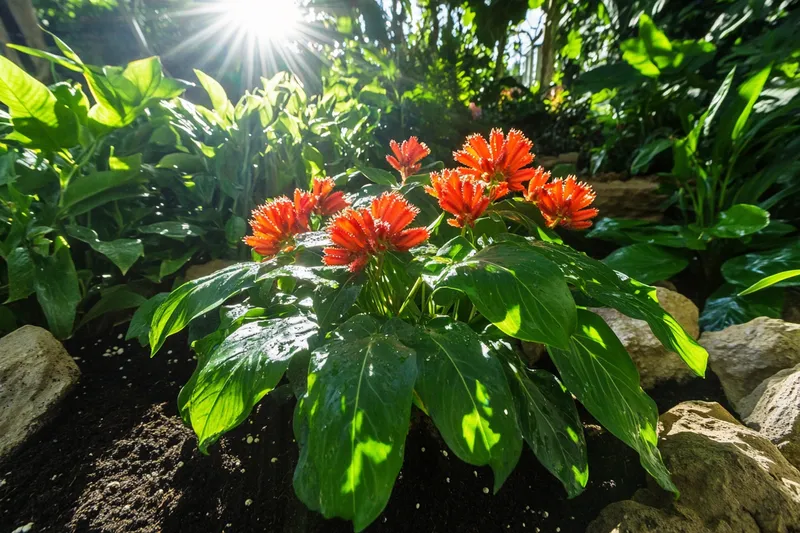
{"x": 744, "y": 355}
{"x": 36, "y": 373}
{"x": 200, "y": 271}
{"x": 655, "y": 363}
{"x": 773, "y": 409}
{"x": 731, "y": 479}
{"x": 635, "y": 198}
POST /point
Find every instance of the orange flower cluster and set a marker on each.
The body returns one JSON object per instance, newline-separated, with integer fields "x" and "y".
{"x": 566, "y": 203}
{"x": 276, "y": 223}
{"x": 407, "y": 156}
{"x": 359, "y": 234}
{"x": 459, "y": 195}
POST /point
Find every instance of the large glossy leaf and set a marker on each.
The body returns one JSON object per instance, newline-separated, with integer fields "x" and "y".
{"x": 360, "y": 389}
{"x": 332, "y": 304}
{"x": 57, "y": 290}
{"x": 738, "y": 111}
{"x": 600, "y": 373}
{"x": 122, "y": 252}
{"x": 237, "y": 373}
{"x": 645, "y": 154}
{"x": 628, "y": 297}
{"x": 39, "y": 118}
{"x": 726, "y": 308}
{"x": 219, "y": 99}
{"x": 769, "y": 281}
{"x": 21, "y": 273}
{"x": 139, "y": 327}
{"x": 194, "y": 298}
{"x": 112, "y": 299}
{"x": 748, "y": 269}
{"x": 463, "y": 388}
{"x": 647, "y": 263}
{"x": 82, "y": 188}
{"x": 379, "y": 176}
{"x": 740, "y": 220}
{"x": 548, "y": 420}
{"x": 174, "y": 230}
{"x": 519, "y": 291}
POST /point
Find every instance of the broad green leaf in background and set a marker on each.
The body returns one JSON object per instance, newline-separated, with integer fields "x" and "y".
{"x": 139, "y": 327}
{"x": 332, "y": 305}
{"x": 21, "y": 274}
{"x": 57, "y": 290}
{"x": 114, "y": 298}
{"x": 174, "y": 230}
{"x": 548, "y": 420}
{"x": 82, "y": 188}
{"x": 737, "y": 112}
{"x": 39, "y": 118}
{"x": 740, "y": 220}
{"x": 647, "y": 263}
{"x": 235, "y": 230}
{"x": 748, "y": 269}
{"x": 726, "y": 308}
{"x": 173, "y": 264}
{"x": 358, "y": 404}
{"x": 600, "y": 373}
{"x": 183, "y": 163}
{"x": 219, "y": 99}
{"x": 231, "y": 379}
{"x": 517, "y": 290}
{"x": 122, "y": 252}
{"x": 379, "y": 176}
{"x": 197, "y": 297}
{"x": 466, "y": 394}
{"x": 645, "y": 154}
{"x": 627, "y": 296}
{"x": 769, "y": 281}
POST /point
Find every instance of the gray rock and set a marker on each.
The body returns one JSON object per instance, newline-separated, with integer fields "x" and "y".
{"x": 656, "y": 364}
{"x": 744, "y": 355}
{"x": 773, "y": 409}
{"x": 36, "y": 373}
{"x": 731, "y": 479}
{"x": 200, "y": 271}
{"x": 635, "y": 198}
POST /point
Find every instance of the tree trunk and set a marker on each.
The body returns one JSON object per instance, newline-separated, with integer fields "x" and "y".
{"x": 548, "y": 55}
{"x": 433, "y": 37}
{"x": 25, "y": 17}
{"x": 500, "y": 62}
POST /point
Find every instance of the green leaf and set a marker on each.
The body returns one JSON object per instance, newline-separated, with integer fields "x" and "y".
{"x": 737, "y": 112}
{"x": 600, "y": 373}
{"x": 769, "y": 281}
{"x": 645, "y": 154}
{"x": 56, "y": 286}
{"x": 197, "y": 297}
{"x": 749, "y": 269}
{"x": 234, "y": 376}
{"x": 740, "y": 220}
{"x": 174, "y": 230}
{"x": 466, "y": 394}
{"x": 726, "y": 308}
{"x": 122, "y": 252}
{"x": 377, "y": 175}
{"x": 517, "y": 290}
{"x": 38, "y": 117}
{"x": 219, "y": 99}
{"x": 112, "y": 299}
{"x": 549, "y": 421}
{"x": 183, "y": 163}
{"x": 647, "y": 263}
{"x": 82, "y": 188}
{"x": 358, "y": 405}
{"x": 21, "y": 274}
{"x": 332, "y": 304}
{"x": 627, "y": 296}
{"x": 235, "y": 230}
{"x": 53, "y": 58}
{"x": 172, "y": 265}
{"x": 139, "y": 327}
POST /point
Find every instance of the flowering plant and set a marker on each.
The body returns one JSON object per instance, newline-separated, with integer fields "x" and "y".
{"x": 368, "y": 312}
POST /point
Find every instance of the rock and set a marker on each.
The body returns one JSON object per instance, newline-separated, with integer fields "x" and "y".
{"x": 36, "y": 373}
{"x": 744, "y": 355}
{"x": 568, "y": 158}
{"x": 791, "y": 305}
{"x": 199, "y": 271}
{"x": 635, "y": 198}
{"x": 773, "y": 409}
{"x": 547, "y": 161}
{"x": 731, "y": 479}
{"x": 655, "y": 363}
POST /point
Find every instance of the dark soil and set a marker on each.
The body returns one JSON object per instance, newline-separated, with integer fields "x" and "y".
{"x": 118, "y": 459}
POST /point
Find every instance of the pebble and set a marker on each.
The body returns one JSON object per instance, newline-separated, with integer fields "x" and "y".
{"x": 249, "y": 439}
{"x": 444, "y": 452}
{"x": 119, "y": 336}
{"x": 24, "y": 529}
{"x": 475, "y": 472}
{"x": 273, "y": 460}
{"x": 417, "y": 506}
{"x": 180, "y": 464}
{"x": 545, "y": 514}
{"x": 448, "y": 480}
{"x": 112, "y": 486}
{"x": 486, "y": 490}
{"x": 423, "y": 448}
{"x": 248, "y": 502}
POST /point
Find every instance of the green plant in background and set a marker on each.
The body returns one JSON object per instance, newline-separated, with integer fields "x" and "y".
{"x": 373, "y": 316}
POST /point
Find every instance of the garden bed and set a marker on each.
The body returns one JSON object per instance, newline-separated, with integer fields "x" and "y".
{"x": 118, "y": 458}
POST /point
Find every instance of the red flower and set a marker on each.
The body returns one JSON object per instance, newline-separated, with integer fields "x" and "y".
{"x": 407, "y": 156}
{"x": 274, "y": 226}
{"x": 326, "y": 201}
{"x": 536, "y": 184}
{"x": 359, "y": 234}
{"x": 566, "y": 202}
{"x": 460, "y": 195}
{"x": 500, "y": 160}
